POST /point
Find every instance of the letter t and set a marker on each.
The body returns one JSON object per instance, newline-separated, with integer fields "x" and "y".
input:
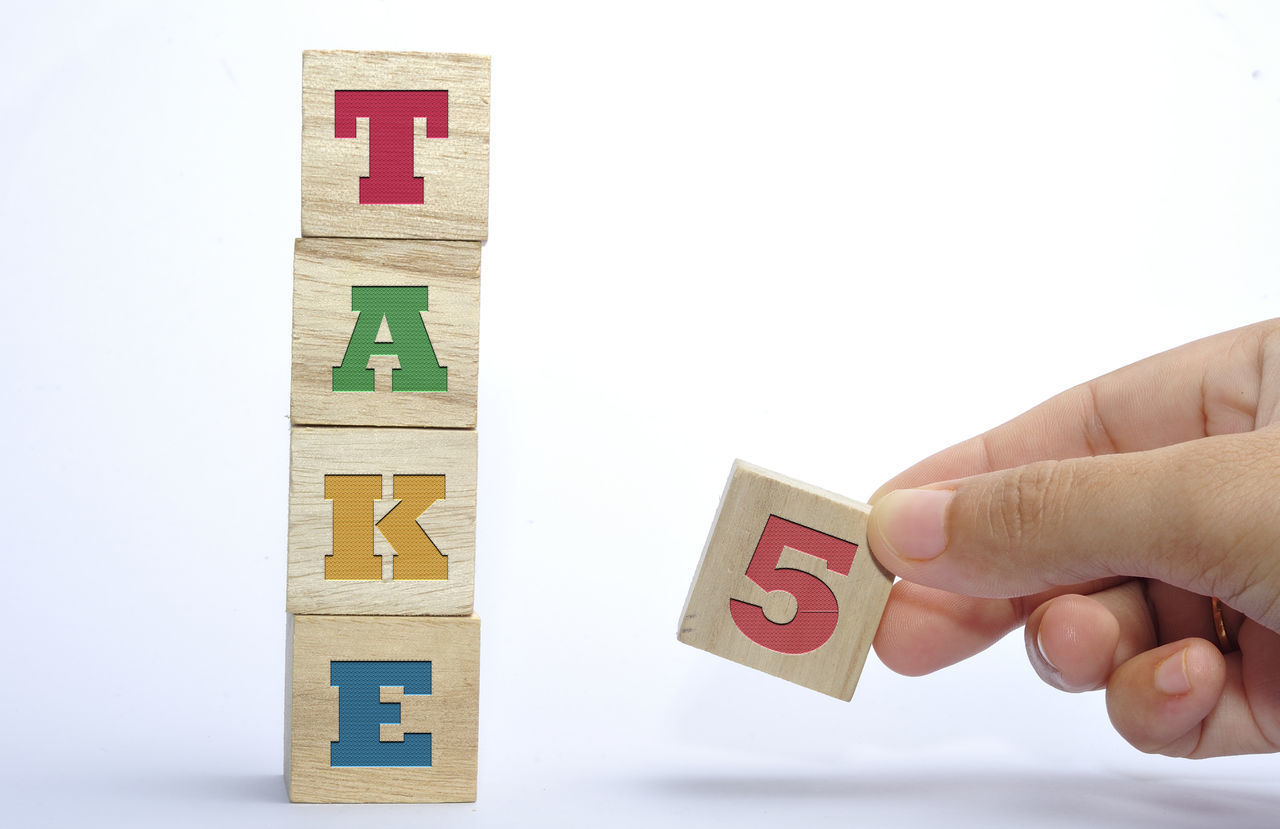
{"x": 390, "y": 113}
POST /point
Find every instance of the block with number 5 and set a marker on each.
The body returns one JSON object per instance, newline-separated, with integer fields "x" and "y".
{"x": 786, "y": 584}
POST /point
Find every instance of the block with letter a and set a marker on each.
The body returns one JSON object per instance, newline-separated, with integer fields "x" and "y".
{"x": 786, "y": 583}
{"x": 385, "y": 333}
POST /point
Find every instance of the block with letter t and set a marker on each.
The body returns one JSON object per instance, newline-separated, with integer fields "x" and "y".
{"x": 786, "y": 583}
{"x": 395, "y": 145}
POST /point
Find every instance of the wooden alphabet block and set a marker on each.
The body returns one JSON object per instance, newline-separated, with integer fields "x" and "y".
{"x": 382, "y": 709}
{"x": 381, "y": 521}
{"x": 385, "y": 333}
{"x": 786, "y": 584}
{"x": 395, "y": 145}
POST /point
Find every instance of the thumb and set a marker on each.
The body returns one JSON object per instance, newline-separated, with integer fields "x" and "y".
{"x": 1202, "y": 515}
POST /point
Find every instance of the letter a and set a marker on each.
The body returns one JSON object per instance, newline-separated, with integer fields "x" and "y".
{"x": 402, "y": 308}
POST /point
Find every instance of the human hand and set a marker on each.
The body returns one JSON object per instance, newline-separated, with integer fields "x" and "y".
{"x": 1104, "y": 520}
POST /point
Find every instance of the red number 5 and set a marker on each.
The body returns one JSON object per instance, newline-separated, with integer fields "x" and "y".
{"x": 816, "y": 608}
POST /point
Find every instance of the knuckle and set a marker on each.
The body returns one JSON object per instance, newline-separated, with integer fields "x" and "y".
{"x": 1218, "y": 531}
{"x": 1023, "y": 505}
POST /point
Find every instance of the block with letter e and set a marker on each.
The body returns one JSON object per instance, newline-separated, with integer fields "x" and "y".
{"x": 382, "y": 709}
{"x": 786, "y": 583}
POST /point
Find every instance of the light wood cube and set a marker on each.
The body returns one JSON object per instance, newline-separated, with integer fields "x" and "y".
{"x": 395, "y": 145}
{"x": 381, "y": 521}
{"x": 787, "y": 584}
{"x": 385, "y": 333}
{"x": 382, "y": 709}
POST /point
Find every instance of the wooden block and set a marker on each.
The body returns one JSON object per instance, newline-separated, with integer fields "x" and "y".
{"x": 787, "y": 584}
{"x": 382, "y": 521}
{"x": 382, "y": 709}
{"x": 395, "y": 145}
{"x": 361, "y": 307}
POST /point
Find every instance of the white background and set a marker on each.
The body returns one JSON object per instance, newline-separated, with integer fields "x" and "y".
{"x": 829, "y": 240}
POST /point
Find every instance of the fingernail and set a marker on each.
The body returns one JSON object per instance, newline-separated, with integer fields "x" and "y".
{"x": 1043, "y": 655}
{"x": 1171, "y": 675}
{"x": 912, "y": 522}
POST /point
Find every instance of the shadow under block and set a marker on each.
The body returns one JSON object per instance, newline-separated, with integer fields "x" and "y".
{"x": 787, "y": 584}
{"x": 395, "y": 145}
{"x": 361, "y": 308}
{"x": 363, "y": 694}
{"x": 381, "y": 521}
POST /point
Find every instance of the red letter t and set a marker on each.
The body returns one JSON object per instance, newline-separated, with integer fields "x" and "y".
{"x": 390, "y": 113}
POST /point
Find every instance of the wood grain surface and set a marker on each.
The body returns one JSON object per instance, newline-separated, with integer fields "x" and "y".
{"x": 455, "y": 170}
{"x": 828, "y": 524}
{"x": 449, "y": 713}
{"x": 450, "y": 523}
{"x": 325, "y": 271}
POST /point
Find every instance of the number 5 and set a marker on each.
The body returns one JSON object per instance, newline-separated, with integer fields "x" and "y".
{"x": 816, "y": 609}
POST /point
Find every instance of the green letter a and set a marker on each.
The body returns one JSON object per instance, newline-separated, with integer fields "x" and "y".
{"x": 402, "y": 308}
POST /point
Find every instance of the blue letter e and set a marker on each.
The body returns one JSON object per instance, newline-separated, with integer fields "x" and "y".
{"x": 361, "y": 712}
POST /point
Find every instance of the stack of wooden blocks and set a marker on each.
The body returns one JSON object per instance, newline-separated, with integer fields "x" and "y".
{"x": 383, "y": 647}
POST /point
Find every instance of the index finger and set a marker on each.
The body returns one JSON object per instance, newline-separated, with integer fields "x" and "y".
{"x": 1208, "y": 387}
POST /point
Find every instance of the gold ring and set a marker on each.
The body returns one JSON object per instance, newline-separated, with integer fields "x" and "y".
{"x": 1224, "y": 638}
